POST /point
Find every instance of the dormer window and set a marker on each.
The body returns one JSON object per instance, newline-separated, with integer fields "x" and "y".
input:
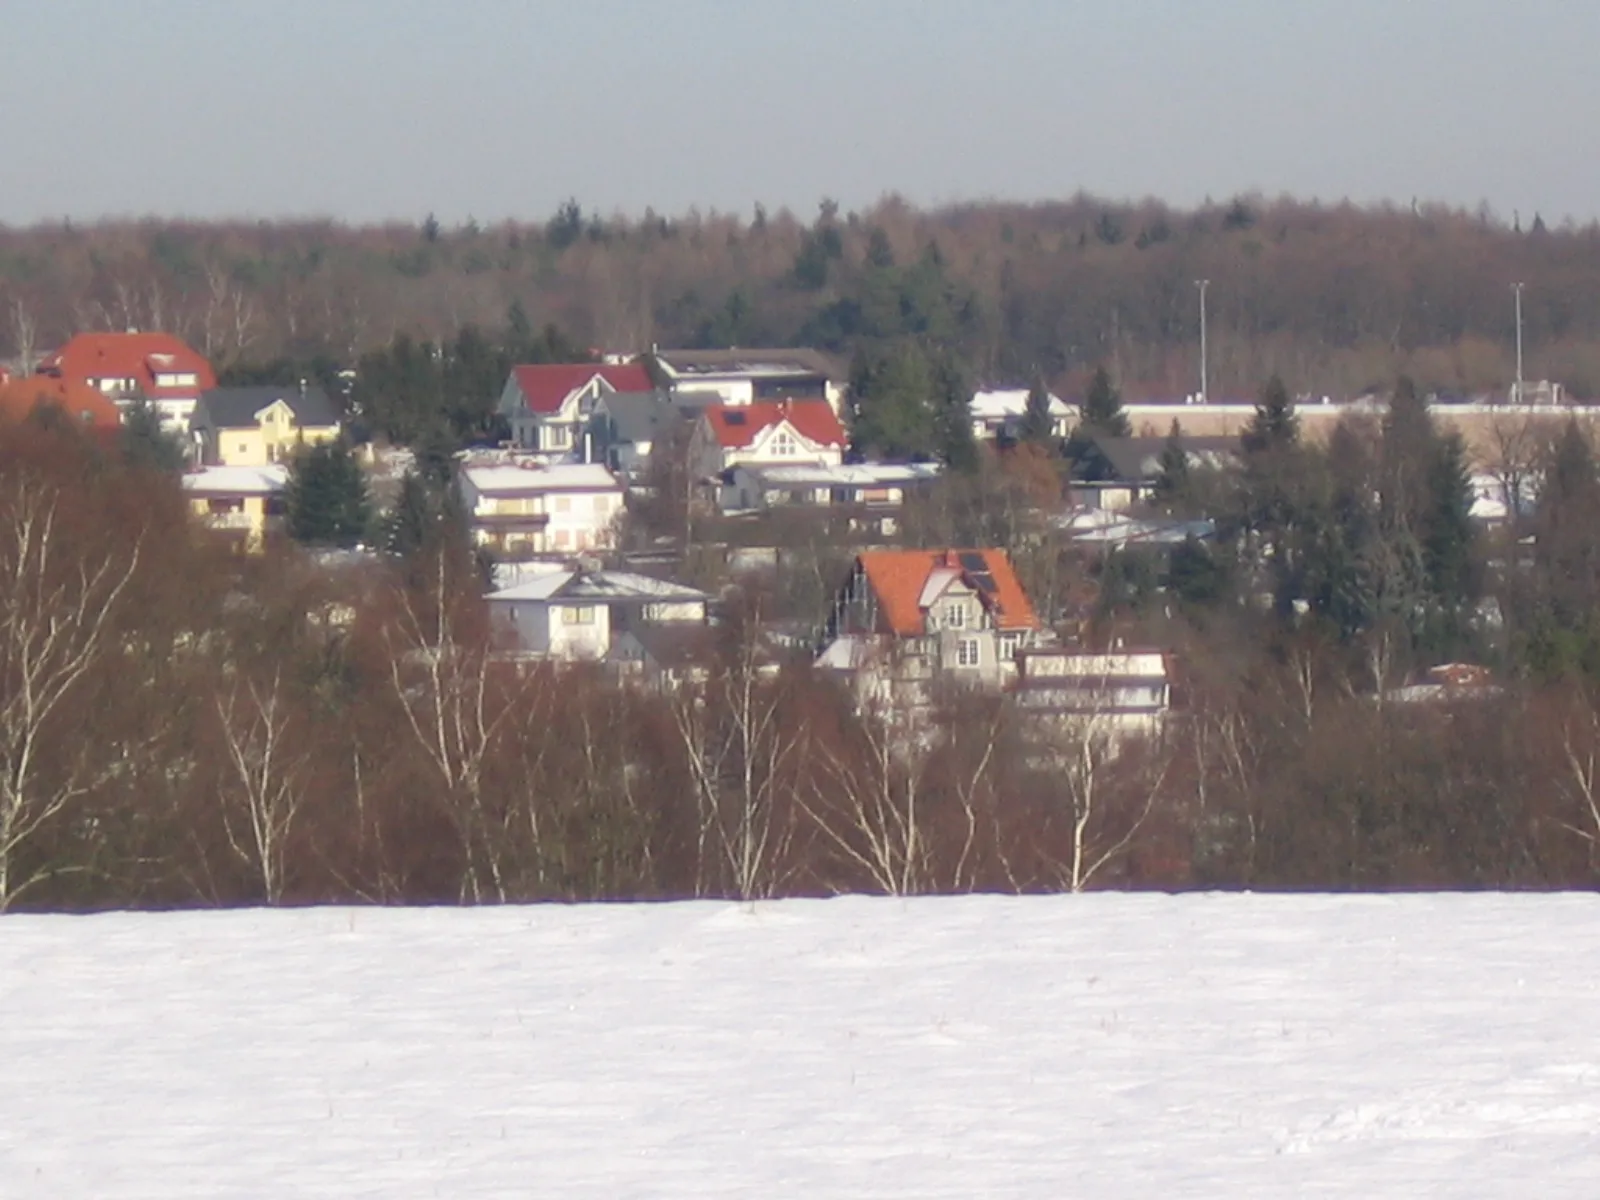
{"x": 955, "y": 616}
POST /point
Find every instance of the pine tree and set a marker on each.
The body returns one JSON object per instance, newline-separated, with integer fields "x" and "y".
{"x": 1102, "y": 407}
{"x": 409, "y": 524}
{"x": 1449, "y": 536}
{"x": 326, "y": 502}
{"x": 956, "y": 446}
{"x": 1275, "y": 425}
{"x": 1172, "y": 484}
{"x": 145, "y": 443}
{"x": 1038, "y": 426}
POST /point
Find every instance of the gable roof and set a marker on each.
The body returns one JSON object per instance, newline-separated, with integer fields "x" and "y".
{"x": 902, "y": 579}
{"x": 237, "y": 407}
{"x": 737, "y": 425}
{"x": 609, "y": 586}
{"x": 546, "y": 386}
{"x": 1139, "y": 458}
{"x": 137, "y": 356}
{"x": 738, "y": 360}
{"x": 84, "y": 405}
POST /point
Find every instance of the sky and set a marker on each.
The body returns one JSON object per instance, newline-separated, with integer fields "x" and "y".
{"x": 368, "y": 110}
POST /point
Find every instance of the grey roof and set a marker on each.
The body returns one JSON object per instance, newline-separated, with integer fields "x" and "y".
{"x": 739, "y": 359}
{"x": 638, "y": 417}
{"x": 1139, "y": 458}
{"x": 236, "y": 407}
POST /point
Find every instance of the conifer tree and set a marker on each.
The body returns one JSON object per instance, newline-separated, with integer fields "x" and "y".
{"x": 145, "y": 443}
{"x": 1102, "y": 407}
{"x": 1275, "y": 424}
{"x": 1172, "y": 484}
{"x": 326, "y": 502}
{"x": 1037, "y": 425}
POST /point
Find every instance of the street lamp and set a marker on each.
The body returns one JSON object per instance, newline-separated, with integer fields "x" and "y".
{"x": 1205, "y": 377}
{"x": 1516, "y": 391}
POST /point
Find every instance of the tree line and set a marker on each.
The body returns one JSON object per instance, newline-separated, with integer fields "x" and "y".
{"x": 1336, "y": 299}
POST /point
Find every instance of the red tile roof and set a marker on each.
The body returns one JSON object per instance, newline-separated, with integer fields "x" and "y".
{"x": 897, "y": 578}
{"x": 84, "y": 405}
{"x": 136, "y": 356}
{"x": 546, "y": 386}
{"x": 736, "y": 425}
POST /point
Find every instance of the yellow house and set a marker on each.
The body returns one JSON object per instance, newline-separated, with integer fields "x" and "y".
{"x": 256, "y": 426}
{"x": 245, "y": 503}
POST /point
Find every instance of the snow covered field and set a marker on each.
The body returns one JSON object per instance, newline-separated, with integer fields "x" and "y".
{"x": 1121, "y": 1046}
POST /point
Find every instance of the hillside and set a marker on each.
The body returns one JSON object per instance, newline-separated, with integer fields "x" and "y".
{"x": 1092, "y": 1046}
{"x": 1337, "y": 299}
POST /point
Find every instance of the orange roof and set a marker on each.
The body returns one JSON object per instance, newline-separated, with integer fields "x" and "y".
{"x": 898, "y": 578}
{"x": 85, "y": 405}
{"x": 736, "y": 425}
{"x": 137, "y": 356}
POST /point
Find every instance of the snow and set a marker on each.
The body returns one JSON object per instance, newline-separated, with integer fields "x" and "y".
{"x": 535, "y": 477}
{"x": 1010, "y": 402}
{"x": 237, "y": 481}
{"x": 1098, "y": 1046}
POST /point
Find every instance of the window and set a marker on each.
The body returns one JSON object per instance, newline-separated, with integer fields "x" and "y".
{"x": 563, "y": 504}
{"x": 244, "y": 447}
{"x": 1008, "y": 645}
{"x": 955, "y": 616}
{"x": 783, "y": 444}
{"x": 967, "y": 652}
{"x": 558, "y": 437}
{"x": 577, "y": 615}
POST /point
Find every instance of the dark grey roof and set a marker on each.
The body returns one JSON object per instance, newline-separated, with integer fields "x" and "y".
{"x": 236, "y": 407}
{"x": 1139, "y": 458}
{"x": 642, "y": 416}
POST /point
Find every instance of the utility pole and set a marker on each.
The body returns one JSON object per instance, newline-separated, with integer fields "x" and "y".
{"x": 1205, "y": 374}
{"x": 1516, "y": 391}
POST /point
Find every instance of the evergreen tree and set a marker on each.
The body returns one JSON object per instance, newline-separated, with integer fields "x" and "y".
{"x": 880, "y": 255}
{"x": 956, "y": 446}
{"x": 1102, "y": 407}
{"x": 894, "y": 395}
{"x": 1275, "y": 424}
{"x": 145, "y": 443}
{"x": 407, "y": 528}
{"x": 1037, "y": 424}
{"x": 326, "y": 501}
{"x": 1172, "y": 484}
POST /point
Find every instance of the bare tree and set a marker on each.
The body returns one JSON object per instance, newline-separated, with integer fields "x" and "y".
{"x": 56, "y": 612}
{"x": 267, "y": 777}
{"x": 24, "y": 336}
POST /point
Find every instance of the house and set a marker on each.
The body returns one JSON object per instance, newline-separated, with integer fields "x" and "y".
{"x": 82, "y": 405}
{"x": 254, "y": 426}
{"x": 626, "y": 426}
{"x": 549, "y": 405}
{"x": 569, "y": 614}
{"x": 1446, "y": 684}
{"x": 754, "y": 487}
{"x": 740, "y": 376}
{"x": 1119, "y": 694}
{"x": 774, "y": 433}
{"x": 522, "y": 505}
{"x": 1117, "y": 473}
{"x": 244, "y": 502}
{"x": 913, "y": 616}
{"x": 158, "y": 367}
{"x": 1000, "y": 413}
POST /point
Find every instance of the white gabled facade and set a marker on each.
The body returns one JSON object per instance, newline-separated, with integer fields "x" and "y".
{"x": 528, "y": 506}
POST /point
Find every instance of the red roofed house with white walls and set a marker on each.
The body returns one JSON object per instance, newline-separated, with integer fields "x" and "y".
{"x": 548, "y": 405}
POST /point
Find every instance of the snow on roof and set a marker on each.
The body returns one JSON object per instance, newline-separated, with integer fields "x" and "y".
{"x": 534, "y": 477}
{"x": 599, "y": 585}
{"x": 237, "y": 481}
{"x": 999, "y": 403}
{"x": 849, "y": 475}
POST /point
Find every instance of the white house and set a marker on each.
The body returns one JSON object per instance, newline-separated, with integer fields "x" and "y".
{"x": 750, "y": 487}
{"x": 524, "y": 505}
{"x": 1000, "y": 412}
{"x": 785, "y": 432}
{"x": 548, "y": 405}
{"x": 1122, "y": 693}
{"x": 742, "y": 376}
{"x": 569, "y": 615}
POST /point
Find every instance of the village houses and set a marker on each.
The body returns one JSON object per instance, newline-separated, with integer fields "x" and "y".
{"x": 243, "y": 502}
{"x": 548, "y": 406}
{"x": 569, "y": 614}
{"x": 999, "y": 413}
{"x": 254, "y": 426}
{"x": 766, "y": 433}
{"x": 741, "y": 376}
{"x": 521, "y": 506}
{"x": 126, "y": 367}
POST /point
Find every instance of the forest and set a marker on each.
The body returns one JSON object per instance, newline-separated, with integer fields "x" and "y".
{"x": 1334, "y": 299}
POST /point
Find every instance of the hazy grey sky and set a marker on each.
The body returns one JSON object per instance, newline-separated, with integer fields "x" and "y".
{"x": 364, "y": 109}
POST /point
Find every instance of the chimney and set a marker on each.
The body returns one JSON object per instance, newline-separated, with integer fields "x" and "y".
{"x": 302, "y": 387}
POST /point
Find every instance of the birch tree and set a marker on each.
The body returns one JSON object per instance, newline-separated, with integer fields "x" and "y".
{"x": 57, "y": 609}
{"x": 265, "y": 782}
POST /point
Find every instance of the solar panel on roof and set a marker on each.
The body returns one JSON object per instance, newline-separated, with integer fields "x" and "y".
{"x": 973, "y": 561}
{"x": 985, "y": 583}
